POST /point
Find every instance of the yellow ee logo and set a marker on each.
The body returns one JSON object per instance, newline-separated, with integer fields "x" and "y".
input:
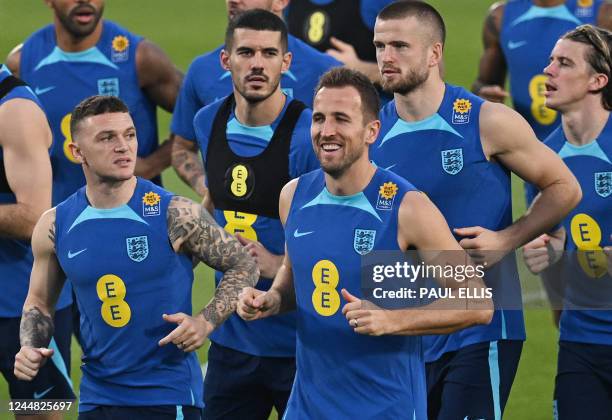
{"x": 115, "y": 310}
{"x": 542, "y": 114}
{"x": 325, "y": 297}
{"x": 316, "y": 27}
{"x": 65, "y": 129}
{"x": 242, "y": 223}
{"x": 586, "y": 234}
{"x": 239, "y": 177}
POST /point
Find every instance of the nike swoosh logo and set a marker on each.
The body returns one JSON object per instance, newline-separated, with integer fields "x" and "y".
{"x": 72, "y": 255}
{"x": 389, "y": 167}
{"x": 40, "y": 91}
{"x": 514, "y": 45}
{"x": 297, "y": 234}
{"x": 38, "y": 395}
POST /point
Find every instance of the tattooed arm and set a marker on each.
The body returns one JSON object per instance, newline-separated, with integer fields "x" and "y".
{"x": 188, "y": 164}
{"x": 192, "y": 230}
{"x": 46, "y": 282}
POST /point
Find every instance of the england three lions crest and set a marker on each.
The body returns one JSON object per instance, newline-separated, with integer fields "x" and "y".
{"x": 452, "y": 161}
{"x": 363, "y": 242}
{"x": 137, "y": 248}
{"x": 603, "y": 183}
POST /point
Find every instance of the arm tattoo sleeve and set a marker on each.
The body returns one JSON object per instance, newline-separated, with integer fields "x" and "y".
{"x": 36, "y": 328}
{"x": 202, "y": 238}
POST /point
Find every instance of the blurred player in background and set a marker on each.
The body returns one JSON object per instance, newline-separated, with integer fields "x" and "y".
{"x": 518, "y": 37}
{"x": 127, "y": 246}
{"x": 207, "y": 81}
{"x": 579, "y": 87}
{"x": 459, "y": 150}
{"x": 80, "y": 55}
{"x": 25, "y": 193}
{"x": 253, "y": 142}
{"x": 358, "y": 361}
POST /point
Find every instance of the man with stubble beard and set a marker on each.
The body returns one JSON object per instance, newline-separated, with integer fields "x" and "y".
{"x": 460, "y": 151}
{"x": 252, "y": 143}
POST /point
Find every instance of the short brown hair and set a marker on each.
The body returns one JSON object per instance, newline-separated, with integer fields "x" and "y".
{"x": 339, "y": 77}
{"x": 95, "y": 105}
{"x": 599, "y": 55}
{"x": 424, "y": 12}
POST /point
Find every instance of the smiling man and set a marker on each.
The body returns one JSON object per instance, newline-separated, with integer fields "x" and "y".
{"x": 358, "y": 361}
{"x": 252, "y": 143}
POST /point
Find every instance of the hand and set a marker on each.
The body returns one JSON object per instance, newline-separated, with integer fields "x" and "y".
{"x": 542, "y": 252}
{"x": 493, "y": 93}
{"x": 365, "y": 317}
{"x": 256, "y": 304}
{"x": 191, "y": 332}
{"x": 268, "y": 263}
{"x": 486, "y": 246}
{"x": 29, "y": 360}
{"x": 343, "y": 52}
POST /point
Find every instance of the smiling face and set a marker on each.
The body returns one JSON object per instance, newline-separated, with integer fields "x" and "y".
{"x": 405, "y": 53}
{"x": 256, "y": 61}
{"x": 79, "y": 18}
{"x": 106, "y": 145}
{"x": 570, "y": 77}
{"x": 340, "y": 136}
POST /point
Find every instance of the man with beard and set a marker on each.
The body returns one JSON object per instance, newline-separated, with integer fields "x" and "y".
{"x": 207, "y": 81}
{"x": 460, "y": 150}
{"x": 361, "y": 361}
{"x": 80, "y": 55}
{"x": 252, "y": 143}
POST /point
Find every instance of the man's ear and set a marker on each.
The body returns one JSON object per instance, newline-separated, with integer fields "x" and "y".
{"x": 224, "y": 59}
{"x": 75, "y": 150}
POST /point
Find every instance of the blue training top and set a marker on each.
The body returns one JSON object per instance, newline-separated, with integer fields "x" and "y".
{"x": 63, "y": 79}
{"x": 126, "y": 275}
{"x": 442, "y": 156}
{"x": 16, "y": 256}
{"x": 528, "y": 35}
{"x": 342, "y": 374}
